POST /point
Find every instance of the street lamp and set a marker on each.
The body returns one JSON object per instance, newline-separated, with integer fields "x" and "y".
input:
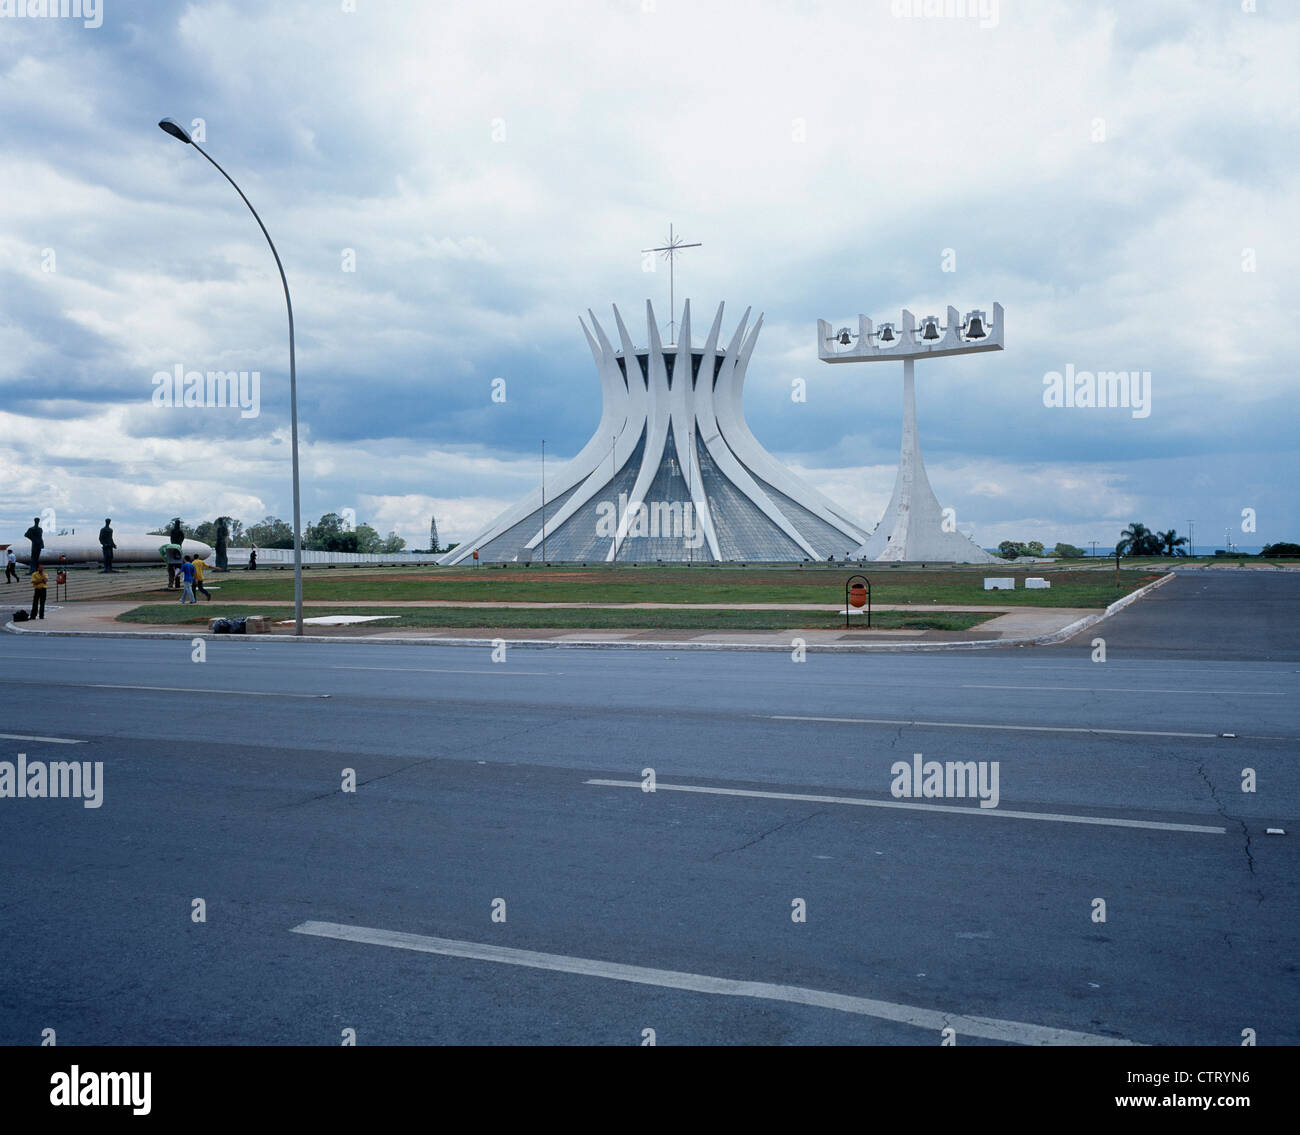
{"x": 176, "y": 130}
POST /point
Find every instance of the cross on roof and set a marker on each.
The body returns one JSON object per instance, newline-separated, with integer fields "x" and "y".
{"x": 670, "y": 250}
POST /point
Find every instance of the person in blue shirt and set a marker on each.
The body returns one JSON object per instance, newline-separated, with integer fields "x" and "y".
{"x": 187, "y": 577}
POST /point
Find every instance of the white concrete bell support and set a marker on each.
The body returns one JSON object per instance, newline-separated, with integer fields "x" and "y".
{"x": 923, "y": 339}
{"x": 914, "y": 526}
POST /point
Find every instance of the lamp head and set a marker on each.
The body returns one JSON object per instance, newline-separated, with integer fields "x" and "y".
{"x": 176, "y": 130}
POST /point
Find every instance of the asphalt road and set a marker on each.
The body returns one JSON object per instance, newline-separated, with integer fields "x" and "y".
{"x": 222, "y": 781}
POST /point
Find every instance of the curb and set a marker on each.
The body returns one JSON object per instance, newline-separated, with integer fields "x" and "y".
{"x": 1066, "y": 632}
{"x": 1072, "y": 629}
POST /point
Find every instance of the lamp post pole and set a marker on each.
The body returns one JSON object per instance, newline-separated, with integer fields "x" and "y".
{"x": 173, "y": 128}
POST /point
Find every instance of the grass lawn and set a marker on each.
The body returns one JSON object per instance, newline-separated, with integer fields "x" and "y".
{"x": 1093, "y": 586}
{"x": 601, "y": 619}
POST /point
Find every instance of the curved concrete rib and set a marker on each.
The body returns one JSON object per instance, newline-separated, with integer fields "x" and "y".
{"x": 658, "y": 408}
{"x": 613, "y": 413}
{"x": 717, "y": 447}
{"x": 623, "y": 426}
{"x": 682, "y": 398}
{"x": 727, "y": 402}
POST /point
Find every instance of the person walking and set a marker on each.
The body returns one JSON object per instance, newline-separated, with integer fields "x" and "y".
{"x": 171, "y": 554}
{"x": 39, "y": 582}
{"x": 187, "y": 578}
{"x": 199, "y": 568}
{"x": 37, "y": 536}
{"x": 107, "y": 544}
{"x": 11, "y": 566}
{"x": 252, "y": 560}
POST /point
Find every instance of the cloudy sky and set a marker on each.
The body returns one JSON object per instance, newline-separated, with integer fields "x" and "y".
{"x": 1122, "y": 178}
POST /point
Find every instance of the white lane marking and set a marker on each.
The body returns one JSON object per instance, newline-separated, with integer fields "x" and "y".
{"x": 436, "y": 670}
{"x": 47, "y": 740}
{"x": 907, "y": 805}
{"x": 1015, "y": 1032}
{"x": 1123, "y": 690}
{"x": 195, "y": 690}
{"x": 980, "y": 725}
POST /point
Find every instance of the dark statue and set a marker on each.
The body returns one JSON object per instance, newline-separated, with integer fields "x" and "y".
{"x": 107, "y": 543}
{"x": 223, "y": 532}
{"x": 37, "y": 537}
{"x": 177, "y": 534}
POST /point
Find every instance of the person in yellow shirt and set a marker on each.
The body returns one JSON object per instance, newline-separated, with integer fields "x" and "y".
{"x": 39, "y": 581}
{"x": 199, "y": 568}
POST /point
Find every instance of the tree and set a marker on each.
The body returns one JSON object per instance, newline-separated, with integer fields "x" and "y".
{"x": 205, "y": 531}
{"x": 329, "y": 535}
{"x": 392, "y": 545}
{"x": 1171, "y": 543}
{"x": 270, "y": 532}
{"x": 1067, "y": 551}
{"x": 1138, "y": 540}
{"x": 1282, "y": 548}
{"x": 1010, "y": 549}
{"x": 368, "y": 540}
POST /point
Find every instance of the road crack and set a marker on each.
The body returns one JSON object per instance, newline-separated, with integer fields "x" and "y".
{"x": 1245, "y": 831}
{"x": 771, "y": 831}
{"x": 360, "y": 784}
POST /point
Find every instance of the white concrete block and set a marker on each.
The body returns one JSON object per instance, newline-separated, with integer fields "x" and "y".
{"x": 999, "y": 583}
{"x": 1035, "y": 583}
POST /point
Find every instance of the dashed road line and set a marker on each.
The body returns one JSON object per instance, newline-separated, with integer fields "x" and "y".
{"x": 910, "y": 806}
{"x": 194, "y": 690}
{"x": 985, "y": 725}
{"x": 45, "y": 740}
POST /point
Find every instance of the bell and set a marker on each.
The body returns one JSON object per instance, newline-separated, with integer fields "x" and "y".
{"x": 975, "y": 328}
{"x": 844, "y": 338}
{"x": 931, "y": 331}
{"x": 887, "y": 333}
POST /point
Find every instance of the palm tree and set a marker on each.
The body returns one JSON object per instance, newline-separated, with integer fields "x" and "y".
{"x": 1138, "y": 540}
{"x": 1171, "y": 543}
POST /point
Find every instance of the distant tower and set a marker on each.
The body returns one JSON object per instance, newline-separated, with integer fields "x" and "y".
{"x": 914, "y": 526}
{"x": 433, "y": 533}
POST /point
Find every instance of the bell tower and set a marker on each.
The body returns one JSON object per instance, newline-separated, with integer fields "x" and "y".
{"x": 914, "y": 527}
